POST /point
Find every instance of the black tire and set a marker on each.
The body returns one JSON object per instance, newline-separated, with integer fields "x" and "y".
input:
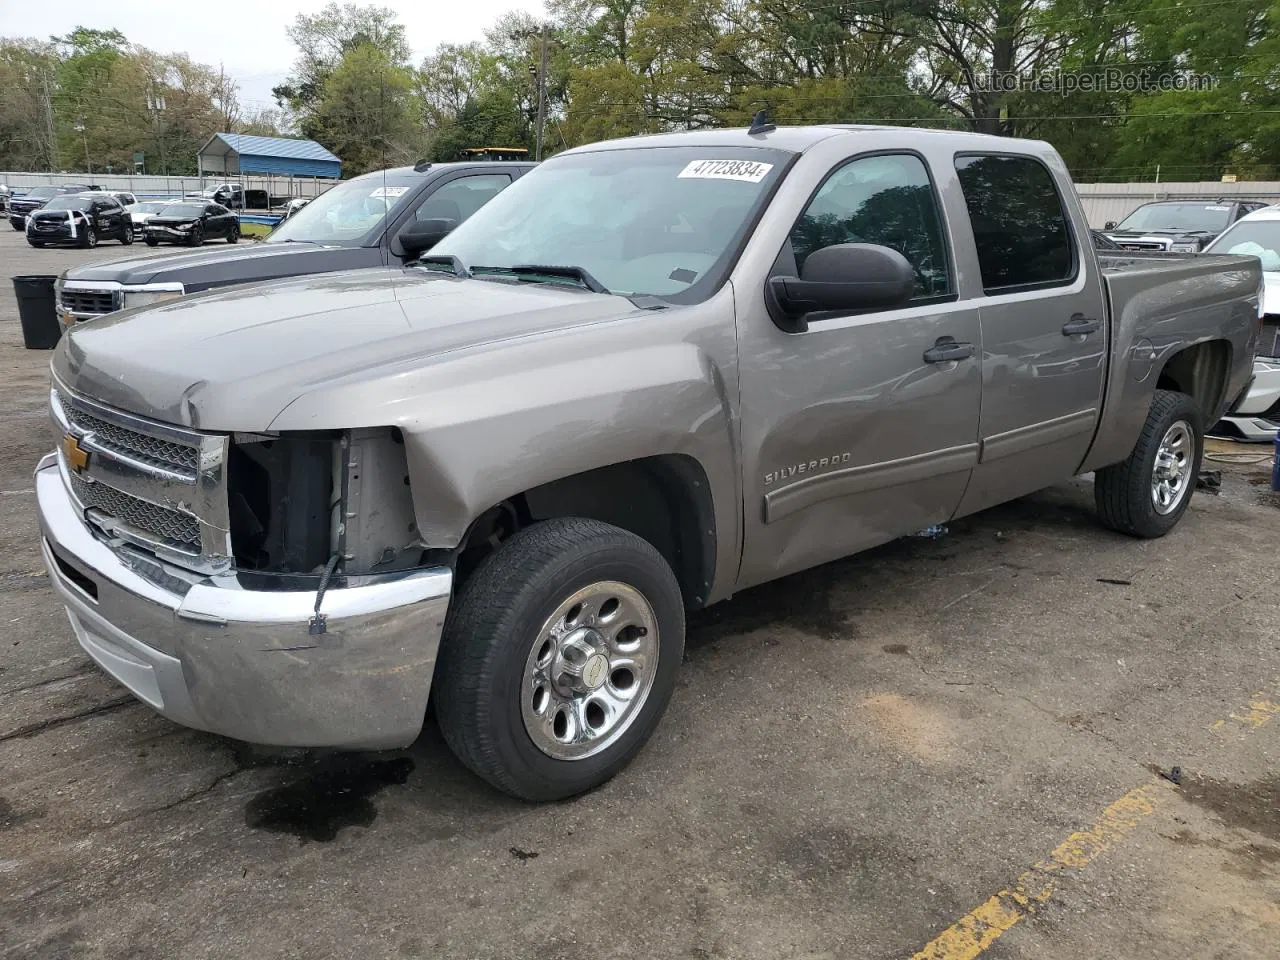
{"x": 489, "y": 635}
{"x": 89, "y": 239}
{"x": 126, "y": 237}
{"x": 234, "y": 236}
{"x": 19, "y": 229}
{"x": 151, "y": 242}
{"x": 36, "y": 244}
{"x": 1123, "y": 491}
{"x": 197, "y": 237}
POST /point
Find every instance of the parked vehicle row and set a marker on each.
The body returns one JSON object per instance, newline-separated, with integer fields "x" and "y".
{"x": 388, "y": 217}
{"x": 643, "y": 376}
{"x": 1177, "y": 226}
{"x": 22, "y": 206}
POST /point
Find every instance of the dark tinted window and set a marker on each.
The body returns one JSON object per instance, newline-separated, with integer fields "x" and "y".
{"x": 459, "y": 199}
{"x": 218, "y": 211}
{"x": 886, "y": 200}
{"x": 1018, "y": 222}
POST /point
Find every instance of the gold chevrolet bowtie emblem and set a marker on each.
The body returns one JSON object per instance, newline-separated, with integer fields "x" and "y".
{"x": 77, "y": 457}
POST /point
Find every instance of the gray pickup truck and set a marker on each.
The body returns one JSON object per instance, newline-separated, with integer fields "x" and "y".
{"x": 650, "y": 373}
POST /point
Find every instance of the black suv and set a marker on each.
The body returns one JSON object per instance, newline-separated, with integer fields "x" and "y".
{"x": 81, "y": 220}
{"x": 380, "y": 219}
{"x": 34, "y": 198}
{"x": 1177, "y": 226}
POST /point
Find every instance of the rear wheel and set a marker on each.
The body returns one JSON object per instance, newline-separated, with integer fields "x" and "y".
{"x": 1146, "y": 494}
{"x": 559, "y": 658}
{"x": 150, "y": 242}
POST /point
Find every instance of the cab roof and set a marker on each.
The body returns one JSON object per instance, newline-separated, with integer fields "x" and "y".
{"x": 790, "y": 139}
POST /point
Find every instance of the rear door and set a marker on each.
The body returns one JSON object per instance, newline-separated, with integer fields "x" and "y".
{"x": 1044, "y": 327}
{"x": 851, "y": 435}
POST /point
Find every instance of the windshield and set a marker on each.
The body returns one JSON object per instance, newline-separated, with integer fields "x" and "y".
{"x": 42, "y": 193}
{"x": 182, "y": 210}
{"x": 68, "y": 203}
{"x": 352, "y": 214}
{"x": 643, "y": 221}
{"x": 1178, "y": 217}
{"x": 149, "y": 206}
{"x": 1258, "y": 238}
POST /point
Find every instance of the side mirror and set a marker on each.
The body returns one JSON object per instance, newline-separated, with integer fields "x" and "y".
{"x": 847, "y": 276}
{"x": 421, "y": 236}
{"x": 1109, "y": 225}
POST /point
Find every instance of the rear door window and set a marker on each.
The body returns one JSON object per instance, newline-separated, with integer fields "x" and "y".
{"x": 1019, "y": 225}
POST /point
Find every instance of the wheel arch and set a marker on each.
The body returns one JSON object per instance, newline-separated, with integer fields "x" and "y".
{"x": 1201, "y": 371}
{"x": 664, "y": 499}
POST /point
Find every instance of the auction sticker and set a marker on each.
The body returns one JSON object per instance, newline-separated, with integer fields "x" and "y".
{"x": 748, "y": 171}
{"x": 390, "y": 192}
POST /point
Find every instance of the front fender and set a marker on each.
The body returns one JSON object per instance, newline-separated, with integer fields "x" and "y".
{"x": 490, "y": 422}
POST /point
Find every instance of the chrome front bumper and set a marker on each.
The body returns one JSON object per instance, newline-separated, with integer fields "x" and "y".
{"x": 209, "y": 654}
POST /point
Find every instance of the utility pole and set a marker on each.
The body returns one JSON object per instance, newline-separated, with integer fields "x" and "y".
{"x": 542, "y": 92}
{"x": 48, "y": 117}
{"x": 85, "y": 134}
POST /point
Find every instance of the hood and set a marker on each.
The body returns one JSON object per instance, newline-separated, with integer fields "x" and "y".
{"x": 233, "y": 360}
{"x": 56, "y": 214}
{"x": 239, "y": 263}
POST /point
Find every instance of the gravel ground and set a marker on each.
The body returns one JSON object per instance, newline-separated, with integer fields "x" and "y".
{"x": 942, "y": 746}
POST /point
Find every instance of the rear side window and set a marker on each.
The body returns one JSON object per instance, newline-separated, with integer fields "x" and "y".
{"x": 886, "y": 200}
{"x": 1019, "y": 226}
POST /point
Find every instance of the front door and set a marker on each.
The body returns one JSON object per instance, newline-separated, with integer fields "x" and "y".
{"x": 851, "y": 436}
{"x": 1044, "y": 329}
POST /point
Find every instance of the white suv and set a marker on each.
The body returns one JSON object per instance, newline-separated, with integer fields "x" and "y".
{"x": 1256, "y": 415}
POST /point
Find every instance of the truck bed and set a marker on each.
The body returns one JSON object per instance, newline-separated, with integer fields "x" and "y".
{"x": 1158, "y": 303}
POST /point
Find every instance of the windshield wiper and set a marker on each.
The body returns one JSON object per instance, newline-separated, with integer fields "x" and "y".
{"x": 455, "y": 265}
{"x": 535, "y": 272}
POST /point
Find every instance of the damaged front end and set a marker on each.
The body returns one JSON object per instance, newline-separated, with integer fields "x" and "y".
{"x": 271, "y": 588}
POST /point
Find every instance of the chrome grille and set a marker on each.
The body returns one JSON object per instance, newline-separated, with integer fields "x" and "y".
{"x": 158, "y": 486}
{"x": 88, "y": 302}
{"x": 147, "y": 518}
{"x": 165, "y": 454}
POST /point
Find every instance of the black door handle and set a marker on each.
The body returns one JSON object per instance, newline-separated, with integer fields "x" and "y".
{"x": 948, "y": 349}
{"x": 1080, "y": 326}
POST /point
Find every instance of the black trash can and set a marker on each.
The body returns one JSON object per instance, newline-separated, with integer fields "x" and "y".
{"x": 37, "y": 311}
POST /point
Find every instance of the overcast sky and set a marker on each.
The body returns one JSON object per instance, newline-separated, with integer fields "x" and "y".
{"x": 247, "y": 36}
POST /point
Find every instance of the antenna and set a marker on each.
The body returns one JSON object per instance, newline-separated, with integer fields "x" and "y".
{"x": 760, "y": 124}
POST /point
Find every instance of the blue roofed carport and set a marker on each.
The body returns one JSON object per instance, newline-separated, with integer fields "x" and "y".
{"x": 239, "y": 153}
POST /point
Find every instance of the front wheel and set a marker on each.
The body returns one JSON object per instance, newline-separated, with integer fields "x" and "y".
{"x": 1146, "y": 494}
{"x": 90, "y": 238}
{"x": 559, "y": 657}
{"x": 126, "y": 237}
{"x": 197, "y": 237}
{"x": 234, "y": 236}
{"x": 151, "y": 242}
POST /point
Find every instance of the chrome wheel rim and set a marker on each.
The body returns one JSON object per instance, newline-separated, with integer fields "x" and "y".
{"x": 1171, "y": 477}
{"x": 589, "y": 670}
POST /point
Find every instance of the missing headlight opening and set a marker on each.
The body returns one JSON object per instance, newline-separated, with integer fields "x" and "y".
{"x": 296, "y": 500}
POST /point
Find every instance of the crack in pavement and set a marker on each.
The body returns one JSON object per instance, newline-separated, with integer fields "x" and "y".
{"x": 185, "y": 798}
{"x": 37, "y": 684}
{"x": 31, "y": 729}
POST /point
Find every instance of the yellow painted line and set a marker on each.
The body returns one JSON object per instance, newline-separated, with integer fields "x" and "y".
{"x": 1260, "y": 711}
{"x": 969, "y": 936}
